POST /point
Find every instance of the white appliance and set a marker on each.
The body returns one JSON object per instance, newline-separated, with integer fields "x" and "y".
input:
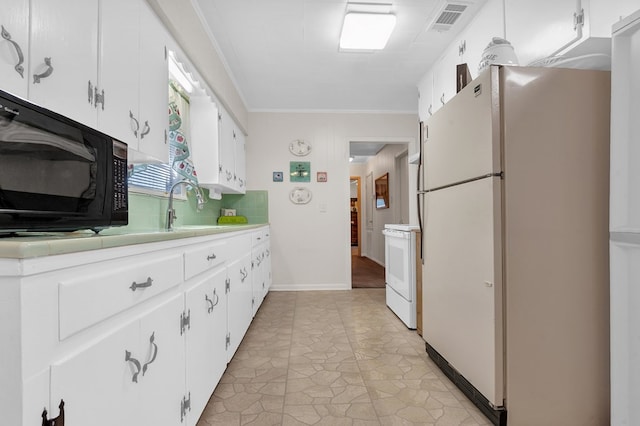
{"x": 400, "y": 271}
{"x": 514, "y": 205}
{"x": 625, "y": 221}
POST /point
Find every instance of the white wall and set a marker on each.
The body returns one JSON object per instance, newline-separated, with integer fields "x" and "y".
{"x": 311, "y": 243}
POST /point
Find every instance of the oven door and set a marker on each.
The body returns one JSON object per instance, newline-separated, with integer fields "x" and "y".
{"x": 398, "y": 267}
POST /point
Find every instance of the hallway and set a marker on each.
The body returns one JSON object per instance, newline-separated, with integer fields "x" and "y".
{"x": 365, "y": 273}
{"x": 334, "y": 358}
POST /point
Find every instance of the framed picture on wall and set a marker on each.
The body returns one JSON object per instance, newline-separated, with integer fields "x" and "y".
{"x": 300, "y": 171}
{"x": 322, "y": 177}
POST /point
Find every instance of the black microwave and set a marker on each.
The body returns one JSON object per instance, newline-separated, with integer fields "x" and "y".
{"x": 57, "y": 174}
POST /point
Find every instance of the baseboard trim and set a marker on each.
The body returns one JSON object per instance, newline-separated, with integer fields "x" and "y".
{"x": 309, "y": 287}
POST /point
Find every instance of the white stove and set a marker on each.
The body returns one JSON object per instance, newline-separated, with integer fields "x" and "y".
{"x": 400, "y": 271}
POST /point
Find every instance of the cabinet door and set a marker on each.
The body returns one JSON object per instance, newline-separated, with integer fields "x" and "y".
{"x": 204, "y": 140}
{"x": 206, "y": 351}
{"x": 477, "y": 35}
{"x": 240, "y": 155}
{"x": 444, "y": 77}
{"x": 119, "y": 69}
{"x": 425, "y": 99}
{"x": 258, "y": 278}
{"x": 64, "y": 57}
{"x": 538, "y": 29}
{"x": 154, "y": 86}
{"x": 100, "y": 383}
{"x": 162, "y": 385}
{"x": 227, "y": 150}
{"x": 239, "y": 297}
{"x": 14, "y": 46}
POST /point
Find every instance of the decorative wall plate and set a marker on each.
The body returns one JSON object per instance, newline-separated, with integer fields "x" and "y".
{"x": 300, "y": 195}
{"x": 299, "y": 148}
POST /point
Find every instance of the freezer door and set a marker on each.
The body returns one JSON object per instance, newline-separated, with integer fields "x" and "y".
{"x": 462, "y": 140}
{"x": 462, "y": 282}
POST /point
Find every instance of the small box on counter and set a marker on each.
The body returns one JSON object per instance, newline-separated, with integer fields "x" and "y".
{"x": 227, "y": 212}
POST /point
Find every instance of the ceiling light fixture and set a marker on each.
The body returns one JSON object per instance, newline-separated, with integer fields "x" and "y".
{"x": 176, "y": 72}
{"x": 367, "y": 26}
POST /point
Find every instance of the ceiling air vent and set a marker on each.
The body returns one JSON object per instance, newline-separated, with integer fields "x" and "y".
{"x": 448, "y": 15}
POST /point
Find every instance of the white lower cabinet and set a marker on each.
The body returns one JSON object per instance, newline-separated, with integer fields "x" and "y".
{"x": 206, "y": 352}
{"x": 155, "y": 326}
{"x": 115, "y": 379}
{"x": 239, "y": 298}
{"x": 260, "y": 268}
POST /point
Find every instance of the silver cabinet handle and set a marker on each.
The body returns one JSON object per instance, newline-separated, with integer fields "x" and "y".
{"x": 216, "y": 298}
{"x": 243, "y": 274}
{"x": 211, "y": 257}
{"x": 442, "y": 99}
{"x": 46, "y": 73}
{"x": 210, "y": 302}
{"x": 145, "y": 130}
{"x": 19, "y": 68}
{"x": 136, "y": 364}
{"x": 145, "y": 284}
{"x": 154, "y": 355}
{"x": 132, "y": 122}
{"x": 430, "y": 110}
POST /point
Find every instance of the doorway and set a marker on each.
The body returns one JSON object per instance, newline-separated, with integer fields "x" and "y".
{"x": 365, "y": 273}
{"x": 355, "y": 211}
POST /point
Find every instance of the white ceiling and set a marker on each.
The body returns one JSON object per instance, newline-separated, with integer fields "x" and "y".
{"x": 283, "y": 54}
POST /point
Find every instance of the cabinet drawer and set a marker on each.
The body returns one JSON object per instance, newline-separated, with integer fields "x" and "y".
{"x": 112, "y": 288}
{"x": 258, "y": 237}
{"x": 239, "y": 245}
{"x": 204, "y": 257}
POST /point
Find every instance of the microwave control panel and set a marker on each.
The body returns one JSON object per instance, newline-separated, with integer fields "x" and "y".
{"x": 120, "y": 188}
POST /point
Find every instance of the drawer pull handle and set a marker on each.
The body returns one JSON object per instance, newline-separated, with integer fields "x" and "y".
{"x": 19, "y": 68}
{"x": 136, "y": 364}
{"x": 211, "y": 257}
{"x": 155, "y": 353}
{"x": 243, "y": 274}
{"x": 45, "y": 74}
{"x": 58, "y": 421}
{"x": 145, "y": 284}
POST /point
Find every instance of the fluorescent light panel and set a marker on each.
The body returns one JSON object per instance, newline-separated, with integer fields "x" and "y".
{"x": 366, "y": 31}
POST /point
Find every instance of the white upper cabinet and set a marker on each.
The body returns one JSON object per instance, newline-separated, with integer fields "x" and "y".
{"x": 99, "y": 62}
{"x": 240, "y": 161}
{"x": 119, "y": 69}
{"x": 227, "y": 149}
{"x": 63, "y": 57}
{"x": 14, "y": 46}
{"x": 154, "y": 87}
{"x": 217, "y": 147}
{"x": 444, "y": 78}
{"x": 204, "y": 141}
{"x": 543, "y": 28}
{"x": 425, "y": 99}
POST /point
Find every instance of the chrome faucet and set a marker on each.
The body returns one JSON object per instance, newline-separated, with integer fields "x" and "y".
{"x": 171, "y": 213}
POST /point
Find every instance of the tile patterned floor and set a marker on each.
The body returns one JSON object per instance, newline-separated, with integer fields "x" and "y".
{"x": 334, "y": 358}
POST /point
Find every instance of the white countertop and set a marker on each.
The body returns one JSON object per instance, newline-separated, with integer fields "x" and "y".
{"x": 36, "y": 244}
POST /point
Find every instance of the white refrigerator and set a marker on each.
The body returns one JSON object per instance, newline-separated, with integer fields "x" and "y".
{"x": 514, "y": 197}
{"x": 625, "y": 222}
